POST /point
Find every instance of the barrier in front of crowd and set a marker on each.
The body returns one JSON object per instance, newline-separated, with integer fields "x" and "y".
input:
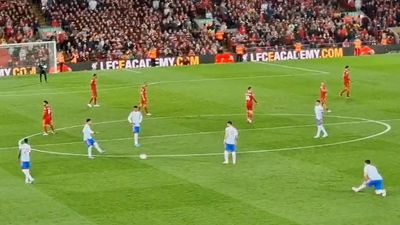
{"x": 264, "y": 55}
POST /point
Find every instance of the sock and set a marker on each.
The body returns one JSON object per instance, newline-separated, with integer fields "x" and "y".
{"x": 29, "y": 176}
{"x": 323, "y": 130}
{"x": 362, "y": 186}
{"x": 226, "y": 156}
{"x": 90, "y": 151}
{"x": 136, "y": 138}
{"x": 318, "y": 131}
{"x": 26, "y": 175}
{"x": 234, "y": 157}
{"x": 98, "y": 147}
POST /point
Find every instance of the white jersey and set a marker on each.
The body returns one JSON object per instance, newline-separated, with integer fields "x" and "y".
{"x": 25, "y": 151}
{"x": 372, "y": 172}
{"x": 231, "y": 134}
{"x": 87, "y": 132}
{"x": 135, "y": 118}
{"x": 319, "y": 112}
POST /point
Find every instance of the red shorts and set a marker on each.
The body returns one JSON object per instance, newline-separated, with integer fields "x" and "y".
{"x": 143, "y": 103}
{"x": 47, "y": 121}
{"x": 249, "y": 106}
{"x": 94, "y": 93}
{"x": 322, "y": 100}
{"x": 347, "y": 85}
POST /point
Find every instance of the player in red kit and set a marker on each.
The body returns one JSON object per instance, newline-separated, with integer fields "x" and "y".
{"x": 323, "y": 96}
{"x": 47, "y": 118}
{"x": 143, "y": 99}
{"x": 346, "y": 82}
{"x": 93, "y": 90}
{"x": 250, "y": 100}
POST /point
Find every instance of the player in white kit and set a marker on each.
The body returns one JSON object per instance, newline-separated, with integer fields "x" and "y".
{"x": 25, "y": 159}
{"x": 319, "y": 117}
{"x": 230, "y": 142}
{"x": 135, "y": 118}
{"x": 89, "y": 140}
{"x": 371, "y": 178}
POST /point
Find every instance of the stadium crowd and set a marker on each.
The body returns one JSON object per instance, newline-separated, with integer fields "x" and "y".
{"x": 17, "y": 22}
{"x": 125, "y": 29}
{"x": 315, "y": 23}
{"x": 114, "y": 29}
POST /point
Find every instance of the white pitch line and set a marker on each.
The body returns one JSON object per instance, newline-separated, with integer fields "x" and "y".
{"x": 153, "y": 83}
{"x": 229, "y": 78}
{"x": 192, "y": 116}
{"x": 132, "y": 70}
{"x": 294, "y": 67}
{"x": 388, "y": 128}
{"x": 68, "y": 92}
{"x": 206, "y": 132}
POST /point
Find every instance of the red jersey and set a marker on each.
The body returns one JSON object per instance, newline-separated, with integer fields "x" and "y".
{"x": 143, "y": 94}
{"x": 93, "y": 84}
{"x": 47, "y": 113}
{"x": 249, "y": 100}
{"x": 346, "y": 77}
{"x": 249, "y": 97}
{"x": 322, "y": 92}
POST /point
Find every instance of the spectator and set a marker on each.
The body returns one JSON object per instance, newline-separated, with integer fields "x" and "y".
{"x": 92, "y": 5}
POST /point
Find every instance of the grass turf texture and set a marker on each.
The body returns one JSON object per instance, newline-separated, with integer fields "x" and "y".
{"x": 303, "y": 186}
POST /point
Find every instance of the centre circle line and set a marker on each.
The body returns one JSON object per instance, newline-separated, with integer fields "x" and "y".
{"x": 361, "y": 120}
{"x": 205, "y": 132}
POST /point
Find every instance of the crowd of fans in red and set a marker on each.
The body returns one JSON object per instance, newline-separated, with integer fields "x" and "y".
{"x": 17, "y": 22}
{"x": 112, "y": 29}
{"x": 315, "y": 23}
{"x": 130, "y": 28}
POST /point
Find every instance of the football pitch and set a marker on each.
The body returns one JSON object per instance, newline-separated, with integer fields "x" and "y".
{"x": 283, "y": 175}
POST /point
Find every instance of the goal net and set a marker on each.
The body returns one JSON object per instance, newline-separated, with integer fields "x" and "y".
{"x": 24, "y": 58}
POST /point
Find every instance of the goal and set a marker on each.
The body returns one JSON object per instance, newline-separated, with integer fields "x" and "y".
{"x": 23, "y": 58}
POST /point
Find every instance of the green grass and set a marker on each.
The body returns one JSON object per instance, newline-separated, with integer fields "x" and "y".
{"x": 306, "y": 186}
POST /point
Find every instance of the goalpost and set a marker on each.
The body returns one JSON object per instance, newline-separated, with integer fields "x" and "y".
{"x": 26, "y": 57}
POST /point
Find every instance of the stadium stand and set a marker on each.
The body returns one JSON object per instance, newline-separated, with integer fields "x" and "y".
{"x": 383, "y": 14}
{"x": 115, "y": 29}
{"x": 313, "y": 23}
{"x": 17, "y": 21}
{"x": 125, "y": 29}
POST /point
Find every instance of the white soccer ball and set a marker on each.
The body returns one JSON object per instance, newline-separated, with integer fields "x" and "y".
{"x": 143, "y": 156}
